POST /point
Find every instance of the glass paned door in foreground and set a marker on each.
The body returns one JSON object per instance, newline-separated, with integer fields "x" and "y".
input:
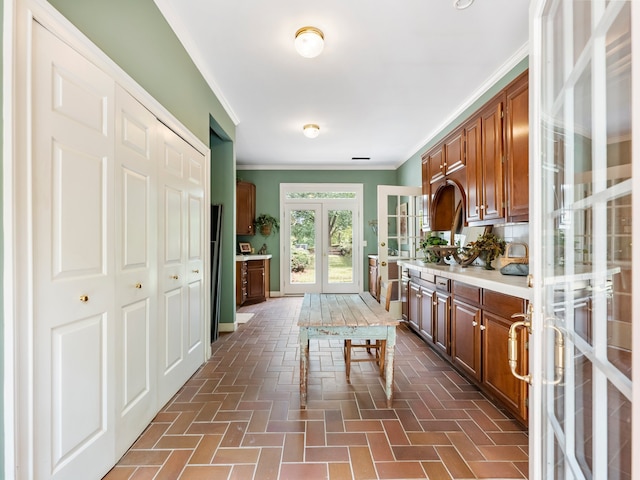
{"x": 584, "y": 320}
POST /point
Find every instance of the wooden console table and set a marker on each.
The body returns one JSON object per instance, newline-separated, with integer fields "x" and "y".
{"x": 345, "y": 316}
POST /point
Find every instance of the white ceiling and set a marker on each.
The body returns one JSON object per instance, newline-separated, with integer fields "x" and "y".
{"x": 392, "y": 73}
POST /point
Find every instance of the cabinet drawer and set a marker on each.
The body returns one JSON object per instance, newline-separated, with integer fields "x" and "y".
{"x": 428, "y": 277}
{"x": 501, "y": 304}
{"x": 443, "y": 284}
{"x": 468, "y": 292}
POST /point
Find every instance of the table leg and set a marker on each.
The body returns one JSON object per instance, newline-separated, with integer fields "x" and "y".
{"x": 391, "y": 346}
{"x": 304, "y": 365}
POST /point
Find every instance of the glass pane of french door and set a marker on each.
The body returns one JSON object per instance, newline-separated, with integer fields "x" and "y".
{"x": 339, "y": 267}
{"x": 302, "y": 228}
{"x": 585, "y": 252}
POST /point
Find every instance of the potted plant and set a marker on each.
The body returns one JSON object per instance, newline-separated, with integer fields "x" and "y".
{"x": 431, "y": 256}
{"x": 488, "y": 246}
{"x": 266, "y": 224}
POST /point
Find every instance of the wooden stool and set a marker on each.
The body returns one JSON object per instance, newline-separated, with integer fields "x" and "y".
{"x": 379, "y": 348}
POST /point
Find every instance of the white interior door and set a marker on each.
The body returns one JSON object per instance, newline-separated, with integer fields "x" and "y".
{"x": 399, "y": 228}
{"x": 581, "y": 349}
{"x": 73, "y": 263}
{"x": 136, "y": 268}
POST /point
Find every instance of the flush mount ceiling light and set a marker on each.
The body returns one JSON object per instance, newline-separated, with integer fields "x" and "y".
{"x": 462, "y": 4}
{"x": 311, "y": 130}
{"x": 309, "y": 42}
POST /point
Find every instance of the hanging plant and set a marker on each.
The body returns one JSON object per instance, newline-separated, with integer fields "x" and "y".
{"x": 266, "y": 224}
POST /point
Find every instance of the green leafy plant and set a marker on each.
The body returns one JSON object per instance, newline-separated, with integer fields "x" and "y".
{"x": 488, "y": 246}
{"x": 427, "y": 242}
{"x": 266, "y": 224}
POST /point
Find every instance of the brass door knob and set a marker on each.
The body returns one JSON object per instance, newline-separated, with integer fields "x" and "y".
{"x": 175, "y": 277}
{"x": 84, "y": 298}
{"x": 138, "y": 285}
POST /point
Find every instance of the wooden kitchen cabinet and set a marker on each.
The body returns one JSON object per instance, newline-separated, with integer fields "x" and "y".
{"x": 466, "y": 319}
{"x": 485, "y": 203}
{"x": 517, "y": 149}
{"x": 469, "y": 326}
{"x": 497, "y": 378}
{"x": 241, "y": 283}
{"x": 252, "y": 281}
{"x": 245, "y": 208}
{"x": 442, "y": 325}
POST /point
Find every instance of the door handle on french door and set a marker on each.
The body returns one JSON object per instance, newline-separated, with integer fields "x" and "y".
{"x": 512, "y": 342}
{"x": 558, "y": 355}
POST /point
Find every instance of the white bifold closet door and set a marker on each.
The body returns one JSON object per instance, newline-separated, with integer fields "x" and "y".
{"x": 118, "y": 257}
{"x": 136, "y": 239}
{"x": 73, "y": 263}
{"x": 181, "y": 262}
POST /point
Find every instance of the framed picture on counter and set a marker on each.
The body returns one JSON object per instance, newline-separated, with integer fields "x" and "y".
{"x": 244, "y": 247}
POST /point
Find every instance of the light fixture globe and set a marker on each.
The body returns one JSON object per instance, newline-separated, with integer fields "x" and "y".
{"x": 311, "y": 130}
{"x": 309, "y": 42}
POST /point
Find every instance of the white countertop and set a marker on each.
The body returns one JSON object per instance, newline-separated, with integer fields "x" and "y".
{"x": 244, "y": 258}
{"x": 478, "y": 276}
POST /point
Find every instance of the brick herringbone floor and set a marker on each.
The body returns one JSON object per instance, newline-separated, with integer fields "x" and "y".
{"x": 239, "y": 417}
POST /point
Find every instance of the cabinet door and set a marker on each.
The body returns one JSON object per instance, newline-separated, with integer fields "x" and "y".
{"x": 436, "y": 163}
{"x": 473, "y": 151}
{"x": 443, "y": 322}
{"x": 492, "y": 154}
{"x": 465, "y": 337}
{"x": 413, "y": 306}
{"x": 427, "y": 316}
{"x": 241, "y": 283}
{"x": 517, "y": 150}
{"x": 454, "y": 152}
{"x": 245, "y": 208}
{"x": 496, "y": 375}
{"x": 255, "y": 281}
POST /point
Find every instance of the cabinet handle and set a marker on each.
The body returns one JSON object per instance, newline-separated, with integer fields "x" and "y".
{"x": 196, "y": 271}
{"x": 435, "y": 304}
{"x": 84, "y": 298}
{"x": 138, "y": 286}
{"x": 482, "y": 327}
{"x": 481, "y": 207}
{"x": 418, "y": 295}
{"x": 474, "y": 323}
{"x": 175, "y": 277}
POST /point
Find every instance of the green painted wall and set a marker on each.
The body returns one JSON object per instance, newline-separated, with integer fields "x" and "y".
{"x": 410, "y": 172}
{"x": 268, "y": 182}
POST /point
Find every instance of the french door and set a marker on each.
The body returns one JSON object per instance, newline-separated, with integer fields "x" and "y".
{"x": 581, "y": 333}
{"x": 321, "y": 240}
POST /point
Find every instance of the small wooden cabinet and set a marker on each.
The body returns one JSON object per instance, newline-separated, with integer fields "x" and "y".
{"x": 245, "y": 208}
{"x": 252, "y": 281}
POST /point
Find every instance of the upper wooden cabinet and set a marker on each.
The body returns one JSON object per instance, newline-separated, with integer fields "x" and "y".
{"x": 245, "y": 208}
{"x": 488, "y": 157}
{"x": 517, "y": 149}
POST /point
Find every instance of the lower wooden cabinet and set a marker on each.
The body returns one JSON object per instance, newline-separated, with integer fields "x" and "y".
{"x": 252, "y": 281}
{"x": 469, "y": 326}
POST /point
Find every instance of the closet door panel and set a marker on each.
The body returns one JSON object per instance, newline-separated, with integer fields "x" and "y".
{"x": 181, "y": 261}
{"x": 73, "y": 263}
{"x": 136, "y": 268}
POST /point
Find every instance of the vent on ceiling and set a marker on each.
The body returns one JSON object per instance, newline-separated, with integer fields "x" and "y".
{"x": 360, "y": 158}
